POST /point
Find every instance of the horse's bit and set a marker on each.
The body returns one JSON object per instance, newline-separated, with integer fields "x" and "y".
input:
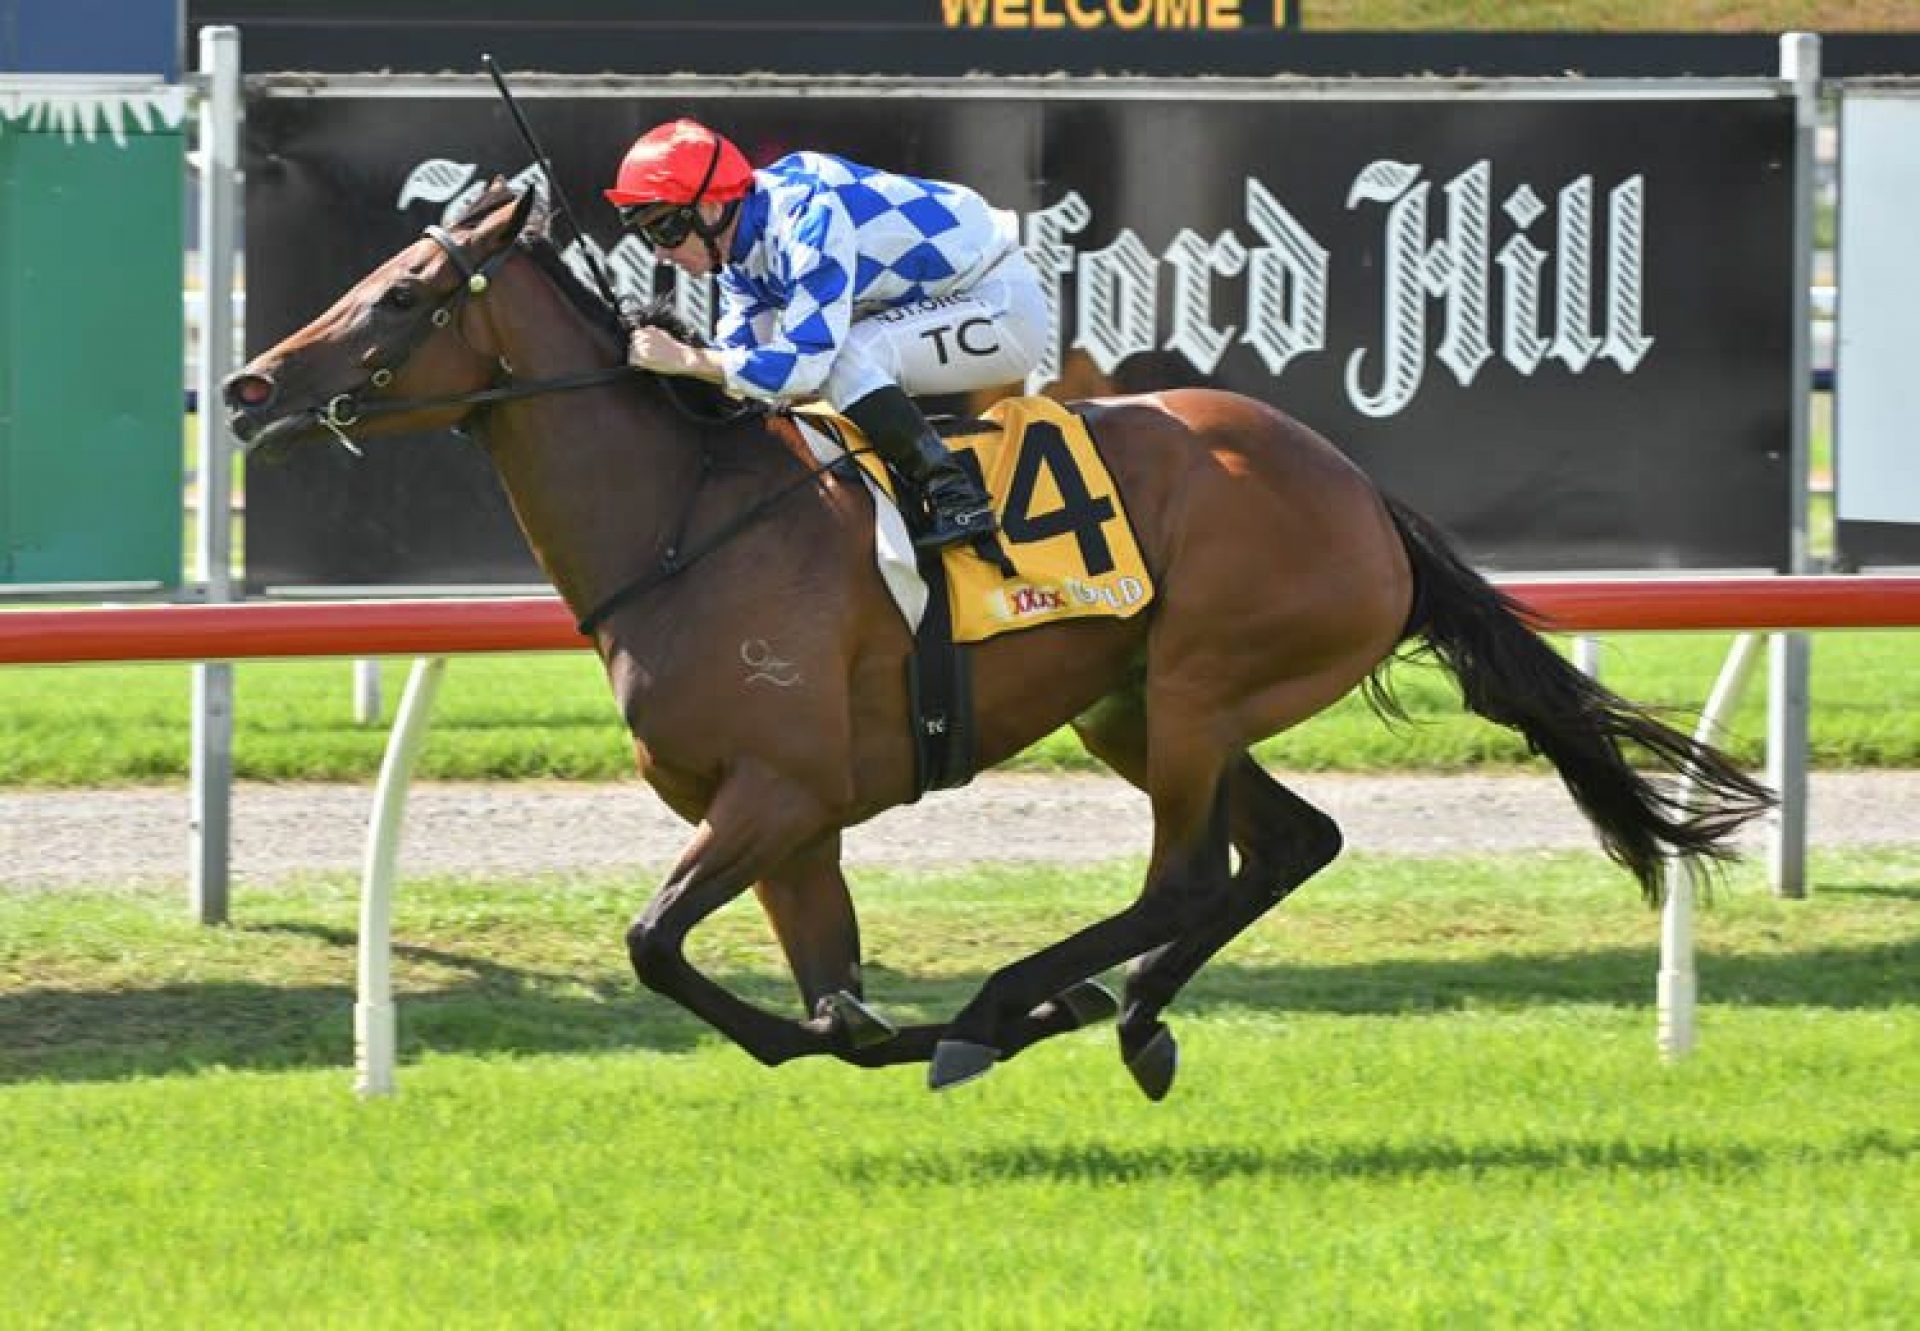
{"x": 345, "y": 410}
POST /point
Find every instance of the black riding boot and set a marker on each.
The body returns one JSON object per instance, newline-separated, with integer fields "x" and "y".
{"x": 959, "y": 510}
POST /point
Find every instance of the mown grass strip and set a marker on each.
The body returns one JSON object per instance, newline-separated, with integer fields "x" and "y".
{"x": 552, "y": 716}
{"x": 97, "y": 984}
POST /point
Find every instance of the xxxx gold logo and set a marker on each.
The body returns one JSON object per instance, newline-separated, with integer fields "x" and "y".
{"x": 1074, "y": 596}
{"x": 1028, "y": 602}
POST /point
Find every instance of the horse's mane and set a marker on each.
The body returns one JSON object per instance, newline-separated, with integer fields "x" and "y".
{"x": 536, "y": 242}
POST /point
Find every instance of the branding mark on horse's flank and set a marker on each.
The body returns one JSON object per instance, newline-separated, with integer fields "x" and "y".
{"x": 764, "y": 667}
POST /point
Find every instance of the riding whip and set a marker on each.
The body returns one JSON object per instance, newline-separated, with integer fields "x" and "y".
{"x": 553, "y": 183}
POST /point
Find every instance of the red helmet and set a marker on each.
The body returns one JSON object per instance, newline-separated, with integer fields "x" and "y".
{"x": 681, "y": 162}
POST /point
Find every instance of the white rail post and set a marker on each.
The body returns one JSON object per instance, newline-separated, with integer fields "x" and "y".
{"x": 1586, "y": 655}
{"x": 1676, "y": 986}
{"x": 210, "y": 819}
{"x": 366, "y": 691}
{"x": 1790, "y": 661}
{"x": 373, "y": 1017}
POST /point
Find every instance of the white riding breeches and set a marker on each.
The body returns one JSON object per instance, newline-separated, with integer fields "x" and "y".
{"x": 992, "y": 333}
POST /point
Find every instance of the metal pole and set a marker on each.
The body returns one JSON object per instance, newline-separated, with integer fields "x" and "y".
{"x": 1586, "y": 656}
{"x": 212, "y": 760}
{"x": 373, "y": 1018}
{"x": 1790, "y": 654}
{"x": 1675, "y": 986}
{"x": 366, "y": 691}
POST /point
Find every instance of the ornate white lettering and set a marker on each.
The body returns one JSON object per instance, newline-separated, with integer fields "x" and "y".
{"x": 1574, "y": 342}
{"x": 1116, "y": 299}
{"x": 1455, "y": 268}
{"x": 1119, "y": 292}
{"x": 1287, "y": 284}
{"x": 1195, "y": 262}
{"x": 631, "y": 268}
{"x": 1522, "y": 344}
{"x": 1627, "y": 344}
{"x": 1045, "y": 230}
{"x": 1404, "y": 294}
{"x": 1462, "y": 277}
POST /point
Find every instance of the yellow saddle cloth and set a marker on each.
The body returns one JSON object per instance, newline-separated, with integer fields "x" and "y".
{"x": 1061, "y": 522}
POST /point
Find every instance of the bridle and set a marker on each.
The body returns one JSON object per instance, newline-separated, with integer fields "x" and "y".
{"x": 347, "y": 409}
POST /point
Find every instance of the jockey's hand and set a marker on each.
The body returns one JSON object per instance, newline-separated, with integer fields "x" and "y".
{"x": 658, "y": 350}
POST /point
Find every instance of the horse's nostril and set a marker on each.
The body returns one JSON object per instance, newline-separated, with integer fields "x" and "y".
{"x": 249, "y": 390}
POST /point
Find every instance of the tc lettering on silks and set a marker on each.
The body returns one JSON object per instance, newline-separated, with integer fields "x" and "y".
{"x": 967, "y": 337}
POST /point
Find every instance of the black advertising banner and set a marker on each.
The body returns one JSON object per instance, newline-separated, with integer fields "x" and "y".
{"x": 1560, "y": 326}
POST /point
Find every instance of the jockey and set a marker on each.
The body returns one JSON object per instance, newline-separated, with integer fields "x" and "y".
{"x": 842, "y": 282}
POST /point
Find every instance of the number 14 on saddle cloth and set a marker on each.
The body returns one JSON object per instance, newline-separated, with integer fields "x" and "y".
{"x": 1061, "y": 519}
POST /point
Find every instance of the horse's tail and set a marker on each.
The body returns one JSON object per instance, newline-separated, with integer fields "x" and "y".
{"x": 1509, "y": 674}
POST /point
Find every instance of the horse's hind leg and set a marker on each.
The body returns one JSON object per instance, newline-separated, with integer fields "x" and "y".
{"x": 1282, "y": 841}
{"x": 1186, "y": 880}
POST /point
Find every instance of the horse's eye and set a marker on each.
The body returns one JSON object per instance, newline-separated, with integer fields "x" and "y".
{"x": 400, "y": 298}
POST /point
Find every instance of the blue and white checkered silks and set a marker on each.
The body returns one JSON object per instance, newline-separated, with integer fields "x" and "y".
{"x": 826, "y": 247}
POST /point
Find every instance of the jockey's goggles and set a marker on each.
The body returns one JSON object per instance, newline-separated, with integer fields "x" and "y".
{"x": 661, "y": 225}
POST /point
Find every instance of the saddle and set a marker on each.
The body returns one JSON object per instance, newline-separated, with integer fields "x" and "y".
{"x": 1066, "y": 550}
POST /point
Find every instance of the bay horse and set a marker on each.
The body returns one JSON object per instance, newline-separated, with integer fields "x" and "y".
{"x": 681, "y": 529}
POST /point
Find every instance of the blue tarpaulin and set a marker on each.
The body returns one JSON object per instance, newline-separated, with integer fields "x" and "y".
{"x": 91, "y": 37}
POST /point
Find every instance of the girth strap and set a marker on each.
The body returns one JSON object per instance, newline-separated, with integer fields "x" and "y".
{"x": 939, "y": 691}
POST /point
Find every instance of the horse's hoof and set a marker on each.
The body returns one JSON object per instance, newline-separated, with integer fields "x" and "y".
{"x": 958, "y": 1061}
{"x": 1088, "y": 1003}
{"x": 860, "y": 1024}
{"x": 1154, "y": 1063}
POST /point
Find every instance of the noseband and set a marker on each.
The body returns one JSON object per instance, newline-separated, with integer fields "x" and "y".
{"x": 348, "y": 409}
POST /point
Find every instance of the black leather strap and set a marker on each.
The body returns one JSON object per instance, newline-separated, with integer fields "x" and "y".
{"x": 939, "y": 692}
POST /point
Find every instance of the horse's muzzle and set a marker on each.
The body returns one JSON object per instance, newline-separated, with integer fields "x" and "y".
{"x": 248, "y": 397}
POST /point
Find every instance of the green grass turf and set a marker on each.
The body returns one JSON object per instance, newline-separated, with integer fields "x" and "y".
{"x": 552, "y": 716}
{"x": 1422, "y": 1094}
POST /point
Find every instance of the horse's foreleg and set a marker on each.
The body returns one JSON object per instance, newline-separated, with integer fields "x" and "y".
{"x": 811, "y": 912}
{"x": 807, "y": 903}
{"x": 1078, "y": 1006}
{"x": 756, "y": 821}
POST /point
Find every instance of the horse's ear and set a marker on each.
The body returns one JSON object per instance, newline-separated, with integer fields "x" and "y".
{"x": 539, "y": 221}
{"x": 522, "y": 210}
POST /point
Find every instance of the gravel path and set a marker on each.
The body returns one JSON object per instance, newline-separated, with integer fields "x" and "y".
{"x": 52, "y": 838}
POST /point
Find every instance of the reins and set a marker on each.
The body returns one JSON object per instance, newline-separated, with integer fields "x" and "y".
{"x": 479, "y": 397}
{"x": 673, "y": 562}
{"x": 347, "y": 409}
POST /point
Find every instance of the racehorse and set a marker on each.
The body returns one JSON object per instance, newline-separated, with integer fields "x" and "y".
{"x": 680, "y": 529}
